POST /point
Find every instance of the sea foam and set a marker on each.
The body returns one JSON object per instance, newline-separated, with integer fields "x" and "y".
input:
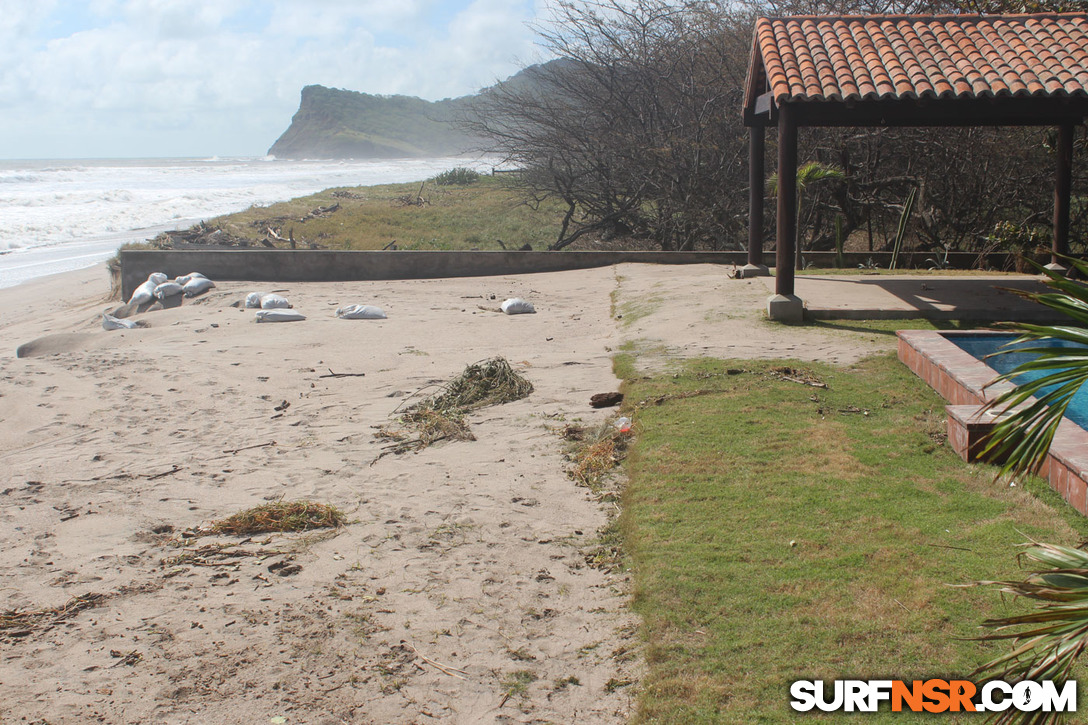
{"x": 59, "y": 215}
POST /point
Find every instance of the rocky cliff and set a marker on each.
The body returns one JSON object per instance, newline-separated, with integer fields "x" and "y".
{"x": 333, "y": 124}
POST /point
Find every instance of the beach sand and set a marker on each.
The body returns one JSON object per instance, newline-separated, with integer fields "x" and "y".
{"x": 460, "y": 590}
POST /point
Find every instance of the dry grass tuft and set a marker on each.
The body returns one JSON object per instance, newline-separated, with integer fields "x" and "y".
{"x": 573, "y": 432}
{"x": 597, "y": 453}
{"x": 279, "y": 516}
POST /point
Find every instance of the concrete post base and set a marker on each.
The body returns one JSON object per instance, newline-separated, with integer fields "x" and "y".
{"x": 754, "y": 270}
{"x": 1055, "y": 267}
{"x": 785, "y": 308}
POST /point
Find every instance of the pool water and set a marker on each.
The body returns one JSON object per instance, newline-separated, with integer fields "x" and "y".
{"x": 979, "y": 346}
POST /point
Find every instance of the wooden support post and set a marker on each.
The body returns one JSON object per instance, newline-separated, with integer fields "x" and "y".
{"x": 756, "y": 179}
{"x": 787, "y": 199}
{"x": 1062, "y": 191}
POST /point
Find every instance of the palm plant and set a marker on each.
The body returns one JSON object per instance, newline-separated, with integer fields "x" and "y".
{"x": 1048, "y": 640}
{"x": 807, "y": 175}
{"x": 1057, "y": 631}
{"x": 1033, "y": 409}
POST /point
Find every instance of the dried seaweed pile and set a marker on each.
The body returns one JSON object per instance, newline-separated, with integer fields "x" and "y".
{"x": 441, "y": 416}
{"x": 595, "y": 453}
{"x": 279, "y": 516}
{"x": 16, "y": 623}
{"x": 490, "y": 382}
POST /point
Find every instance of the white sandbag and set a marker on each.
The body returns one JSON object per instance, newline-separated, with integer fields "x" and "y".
{"x": 144, "y": 293}
{"x": 253, "y": 300}
{"x": 167, "y": 289}
{"x": 157, "y": 277}
{"x": 279, "y": 315}
{"x": 274, "y": 302}
{"x": 361, "y": 312}
{"x": 197, "y": 286}
{"x": 517, "y": 306}
{"x": 187, "y": 278}
{"x": 109, "y": 322}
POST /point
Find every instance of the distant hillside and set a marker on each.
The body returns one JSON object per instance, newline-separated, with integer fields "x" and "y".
{"x": 332, "y": 123}
{"x": 337, "y": 124}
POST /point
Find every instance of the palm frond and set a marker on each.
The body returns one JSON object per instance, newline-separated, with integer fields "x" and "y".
{"x": 1034, "y": 409}
{"x": 815, "y": 171}
{"x": 1057, "y": 632}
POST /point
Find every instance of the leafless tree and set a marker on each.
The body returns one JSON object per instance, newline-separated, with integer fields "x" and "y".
{"x": 637, "y": 127}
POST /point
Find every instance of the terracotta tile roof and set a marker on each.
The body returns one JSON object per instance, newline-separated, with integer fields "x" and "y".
{"x": 911, "y": 56}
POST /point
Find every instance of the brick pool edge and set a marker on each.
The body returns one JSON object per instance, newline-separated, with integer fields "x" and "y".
{"x": 961, "y": 379}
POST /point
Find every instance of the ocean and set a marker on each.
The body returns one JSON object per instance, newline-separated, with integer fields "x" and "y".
{"x": 62, "y": 215}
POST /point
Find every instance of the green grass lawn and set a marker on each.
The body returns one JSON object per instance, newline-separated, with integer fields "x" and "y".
{"x": 779, "y": 531}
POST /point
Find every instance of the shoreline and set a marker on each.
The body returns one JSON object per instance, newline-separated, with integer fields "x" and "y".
{"x": 64, "y": 206}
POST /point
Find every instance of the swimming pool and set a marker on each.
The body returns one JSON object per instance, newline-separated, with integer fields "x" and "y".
{"x": 980, "y": 346}
{"x": 943, "y": 360}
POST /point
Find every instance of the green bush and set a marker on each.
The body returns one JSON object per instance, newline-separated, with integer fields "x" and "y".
{"x": 459, "y": 175}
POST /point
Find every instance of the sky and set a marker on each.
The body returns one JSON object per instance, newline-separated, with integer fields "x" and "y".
{"x": 168, "y": 78}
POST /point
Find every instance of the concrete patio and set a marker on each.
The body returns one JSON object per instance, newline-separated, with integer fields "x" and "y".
{"x": 975, "y": 298}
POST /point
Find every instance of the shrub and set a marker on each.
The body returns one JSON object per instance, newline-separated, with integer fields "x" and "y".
{"x": 459, "y": 176}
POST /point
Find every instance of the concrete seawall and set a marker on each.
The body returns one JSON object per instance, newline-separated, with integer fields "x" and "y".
{"x": 285, "y": 265}
{"x": 340, "y": 266}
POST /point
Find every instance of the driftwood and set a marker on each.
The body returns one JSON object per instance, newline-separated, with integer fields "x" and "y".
{"x": 232, "y": 451}
{"x": 172, "y": 471}
{"x": 605, "y": 400}
{"x": 409, "y": 200}
{"x": 321, "y": 211}
{"x": 199, "y": 234}
{"x": 272, "y": 235}
{"x": 342, "y": 375}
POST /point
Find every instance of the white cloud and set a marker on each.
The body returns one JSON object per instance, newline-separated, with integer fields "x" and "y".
{"x": 200, "y": 77}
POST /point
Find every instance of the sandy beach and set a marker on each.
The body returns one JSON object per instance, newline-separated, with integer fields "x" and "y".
{"x": 460, "y": 590}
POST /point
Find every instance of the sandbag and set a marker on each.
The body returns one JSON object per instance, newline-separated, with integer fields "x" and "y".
{"x": 253, "y": 300}
{"x": 274, "y": 302}
{"x": 109, "y": 322}
{"x": 167, "y": 289}
{"x": 361, "y": 312}
{"x": 157, "y": 277}
{"x": 197, "y": 286}
{"x": 517, "y": 306}
{"x": 279, "y": 315}
{"x": 144, "y": 293}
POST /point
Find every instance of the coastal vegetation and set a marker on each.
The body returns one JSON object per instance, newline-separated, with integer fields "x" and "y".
{"x": 634, "y": 130}
{"x": 780, "y": 530}
{"x": 487, "y": 214}
{"x": 638, "y": 133}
